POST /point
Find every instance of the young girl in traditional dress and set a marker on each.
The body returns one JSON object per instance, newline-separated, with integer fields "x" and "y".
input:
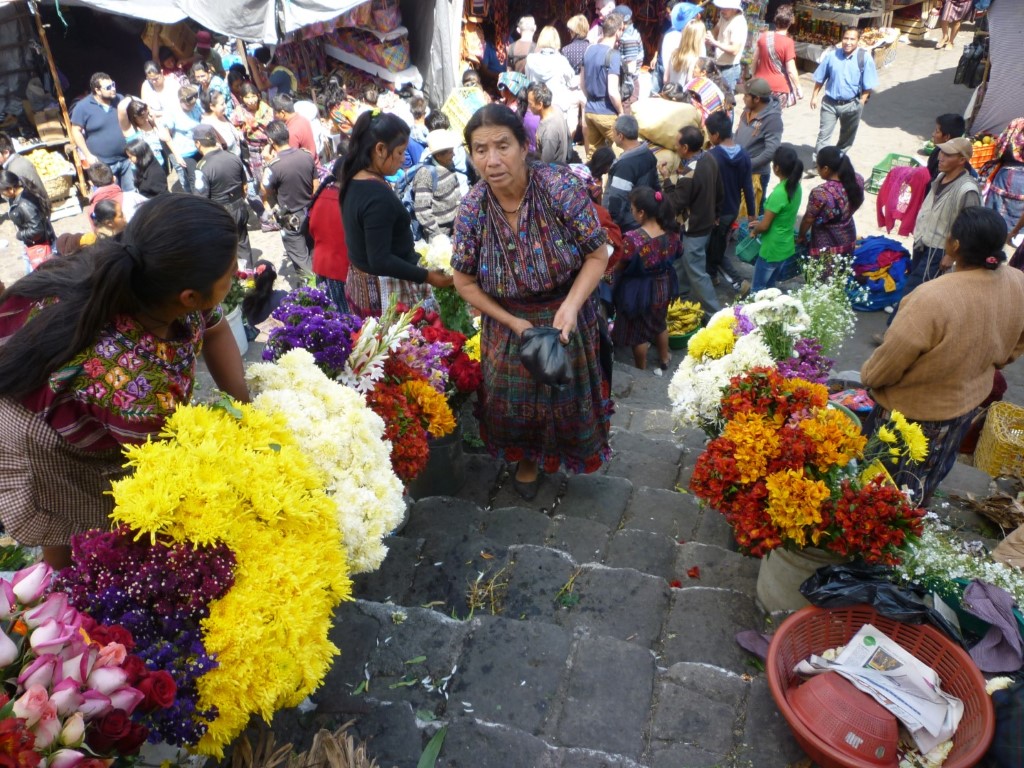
{"x": 646, "y": 281}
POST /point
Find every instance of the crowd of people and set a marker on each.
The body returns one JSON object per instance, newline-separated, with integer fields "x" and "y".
{"x": 540, "y": 238}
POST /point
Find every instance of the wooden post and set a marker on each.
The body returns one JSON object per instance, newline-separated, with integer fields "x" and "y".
{"x": 82, "y": 186}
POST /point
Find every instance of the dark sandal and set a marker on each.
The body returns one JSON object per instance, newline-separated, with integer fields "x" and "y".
{"x": 527, "y": 490}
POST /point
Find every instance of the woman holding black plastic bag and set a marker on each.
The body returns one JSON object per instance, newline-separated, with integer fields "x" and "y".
{"x": 529, "y": 252}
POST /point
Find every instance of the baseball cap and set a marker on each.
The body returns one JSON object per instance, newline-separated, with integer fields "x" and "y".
{"x": 204, "y": 132}
{"x": 625, "y": 12}
{"x": 959, "y": 146}
{"x": 204, "y": 40}
{"x": 728, "y": 5}
{"x": 759, "y": 87}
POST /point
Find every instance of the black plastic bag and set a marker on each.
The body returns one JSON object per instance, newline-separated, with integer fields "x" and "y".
{"x": 839, "y": 586}
{"x": 542, "y": 354}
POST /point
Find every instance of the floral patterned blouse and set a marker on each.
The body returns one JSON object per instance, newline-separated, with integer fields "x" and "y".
{"x": 119, "y": 389}
{"x": 833, "y": 228}
{"x": 558, "y": 227}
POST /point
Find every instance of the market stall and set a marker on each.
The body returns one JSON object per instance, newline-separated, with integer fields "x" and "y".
{"x": 1000, "y": 96}
{"x": 819, "y": 24}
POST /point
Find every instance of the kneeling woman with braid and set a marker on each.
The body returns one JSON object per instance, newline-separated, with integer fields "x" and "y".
{"x": 96, "y": 350}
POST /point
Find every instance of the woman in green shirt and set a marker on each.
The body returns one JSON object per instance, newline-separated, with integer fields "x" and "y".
{"x": 777, "y": 226}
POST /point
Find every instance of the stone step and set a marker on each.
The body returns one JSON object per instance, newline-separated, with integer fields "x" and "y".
{"x": 537, "y": 693}
{"x": 701, "y": 627}
{"x": 530, "y": 678}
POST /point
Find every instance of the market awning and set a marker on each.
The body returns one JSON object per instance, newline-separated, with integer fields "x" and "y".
{"x": 248, "y": 19}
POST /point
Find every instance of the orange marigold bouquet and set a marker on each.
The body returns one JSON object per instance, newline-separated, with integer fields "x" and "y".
{"x": 784, "y": 474}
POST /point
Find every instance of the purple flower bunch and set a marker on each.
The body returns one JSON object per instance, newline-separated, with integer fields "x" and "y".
{"x": 807, "y": 362}
{"x": 744, "y": 324}
{"x": 311, "y": 323}
{"x": 428, "y": 359}
{"x": 160, "y": 594}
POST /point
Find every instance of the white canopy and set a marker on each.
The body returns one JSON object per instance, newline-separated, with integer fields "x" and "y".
{"x": 250, "y": 20}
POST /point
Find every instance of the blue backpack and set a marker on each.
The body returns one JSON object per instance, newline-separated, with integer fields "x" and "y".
{"x": 407, "y": 186}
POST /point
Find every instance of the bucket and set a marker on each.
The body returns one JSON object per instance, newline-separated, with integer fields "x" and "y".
{"x": 445, "y": 472}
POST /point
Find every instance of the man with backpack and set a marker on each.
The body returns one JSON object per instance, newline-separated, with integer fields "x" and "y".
{"x": 430, "y": 190}
{"x": 848, "y": 76}
{"x": 599, "y": 81}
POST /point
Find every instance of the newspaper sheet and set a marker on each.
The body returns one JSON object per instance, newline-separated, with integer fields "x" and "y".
{"x": 908, "y": 688}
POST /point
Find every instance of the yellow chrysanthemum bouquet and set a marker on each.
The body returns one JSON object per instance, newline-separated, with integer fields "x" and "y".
{"x": 235, "y": 476}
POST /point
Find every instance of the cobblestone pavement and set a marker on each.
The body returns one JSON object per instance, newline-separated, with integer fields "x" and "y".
{"x": 548, "y": 634}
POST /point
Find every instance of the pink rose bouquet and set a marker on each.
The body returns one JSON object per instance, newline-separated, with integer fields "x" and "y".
{"x": 76, "y": 695}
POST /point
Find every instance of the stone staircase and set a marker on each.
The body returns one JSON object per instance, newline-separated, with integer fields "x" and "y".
{"x": 590, "y": 627}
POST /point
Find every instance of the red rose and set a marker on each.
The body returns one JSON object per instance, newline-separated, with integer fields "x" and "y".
{"x": 118, "y": 634}
{"x": 159, "y": 689}
{"x": 129, "y": 745}
{"x": 110, "y": 729}
{"x": 135, "y": 667}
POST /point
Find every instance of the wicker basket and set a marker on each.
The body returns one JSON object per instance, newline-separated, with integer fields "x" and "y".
{"x": 1000, "y": 448}
{"x": 58, "y": 187}
{"x": 813, "y": 630}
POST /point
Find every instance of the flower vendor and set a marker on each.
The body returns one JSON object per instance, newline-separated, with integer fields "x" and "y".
{"x": 98, "y": 350}
{"x": 529, "y": 251}
{"x": 938, "y": 358}
{"x": 382, "y": 261}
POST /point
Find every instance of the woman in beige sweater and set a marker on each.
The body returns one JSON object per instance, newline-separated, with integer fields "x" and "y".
{"x": 937, "y": 360}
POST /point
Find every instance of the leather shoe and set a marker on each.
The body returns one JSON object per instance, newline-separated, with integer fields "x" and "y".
{"x": 527, "y": 490}
{"x": 877, "y": 339}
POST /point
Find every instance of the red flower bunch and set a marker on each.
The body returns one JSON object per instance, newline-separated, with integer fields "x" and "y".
{"x": 402, "y": 427}
{"x": 17, "y": 743}
{"x": 465, "y": 373}
{"x": 876, "y": 521}
{"x": 782, "y": 473}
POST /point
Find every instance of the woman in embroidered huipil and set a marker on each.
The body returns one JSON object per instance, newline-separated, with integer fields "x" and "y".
{"x": 97, "y": 349}
{"x": 827, "y": 225}
{"x": 528, "y": 251}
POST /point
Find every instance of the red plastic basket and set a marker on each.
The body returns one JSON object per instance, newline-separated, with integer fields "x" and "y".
{"x": 813, "y": 630}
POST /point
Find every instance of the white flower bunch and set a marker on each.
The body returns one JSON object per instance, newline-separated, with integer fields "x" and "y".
{"x": 827, "y": 301}
{"x": 939, "y": 557}
{"x": 696, "y": 388}
{"x": 345, "y": 440}
{"x": 437, "y": 254}
{"x": 377, "y": 339}
{"x": 773, "y": 306}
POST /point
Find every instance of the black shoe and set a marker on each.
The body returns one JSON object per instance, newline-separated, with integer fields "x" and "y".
{"x": 527, "y": 490}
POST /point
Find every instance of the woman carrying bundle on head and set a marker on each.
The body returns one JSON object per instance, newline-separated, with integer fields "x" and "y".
{"x": 827, "y": 225}
{"x": 646, "y": 281}
{"x": 777, "y": 224}
{"x": 938, "y": 358}
{"x": 96, "y": 351}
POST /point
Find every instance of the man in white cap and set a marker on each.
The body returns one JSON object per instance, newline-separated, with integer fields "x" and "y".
{"x": 728, "y": 40}
{"x": 435, "y": 186}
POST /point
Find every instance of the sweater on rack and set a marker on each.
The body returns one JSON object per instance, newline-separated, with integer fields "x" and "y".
{"x": 946, "y": 342}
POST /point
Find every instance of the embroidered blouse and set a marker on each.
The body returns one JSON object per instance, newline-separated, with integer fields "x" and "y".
{"x": 121, "y": 388}
{"x": 540, "y": 258}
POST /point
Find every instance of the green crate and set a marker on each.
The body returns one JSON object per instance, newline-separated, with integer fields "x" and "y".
{"x": 880, "y": 171}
